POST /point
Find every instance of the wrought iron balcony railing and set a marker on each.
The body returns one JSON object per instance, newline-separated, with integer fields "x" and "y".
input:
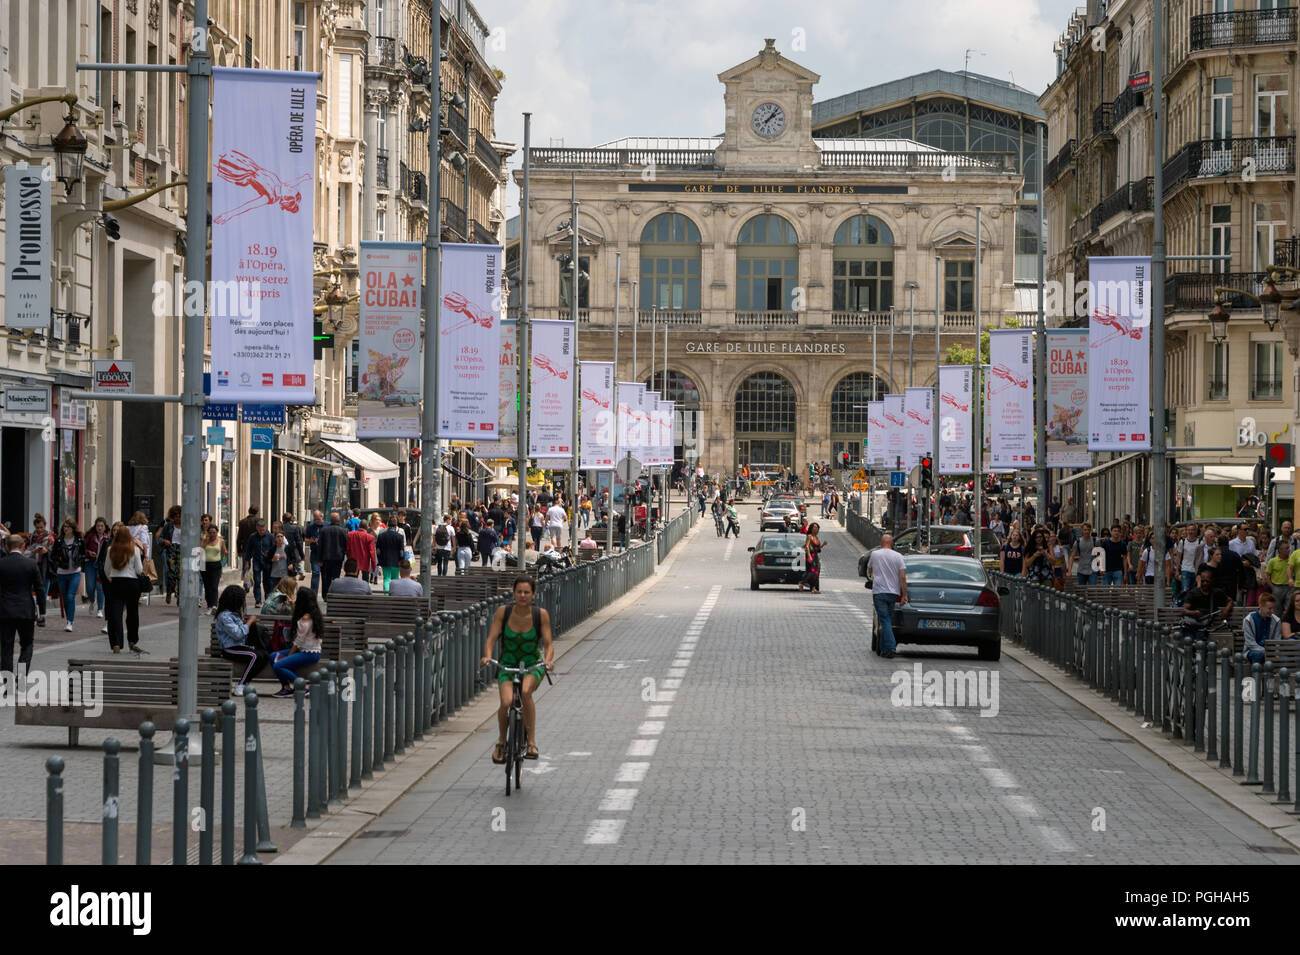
{"x": 1217, "y": 31}
{"x": 1220, "y": 158}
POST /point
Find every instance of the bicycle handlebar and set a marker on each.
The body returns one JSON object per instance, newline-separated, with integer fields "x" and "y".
{"x": 523, "y": 670}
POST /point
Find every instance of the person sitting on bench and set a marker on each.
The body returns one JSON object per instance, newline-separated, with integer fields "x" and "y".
{"x": 239, "y": 639}
{"x": 404, "y": 586}
{"x": 306, "y": 648}
{"x": 350, "y": 582}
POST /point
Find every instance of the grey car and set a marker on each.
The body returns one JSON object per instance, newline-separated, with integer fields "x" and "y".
{"x": 776, "y": 559}
{"x": 950, "y": 602}
{"x": 773, "y": 514}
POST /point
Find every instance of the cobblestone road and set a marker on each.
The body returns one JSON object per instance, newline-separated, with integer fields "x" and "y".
{"x": 771, "y": 737}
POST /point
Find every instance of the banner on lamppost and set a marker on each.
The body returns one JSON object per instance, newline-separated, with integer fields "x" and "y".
{"x": 956, "y": 391}
{"x": 261, "y": 301}
{"x": 389, "y": 350}
{"x": 669, "y": 411}
{"x": 895, "y": 425}
{"x": 654, "y": 447}
{"x": 919, "y": 425}
{"x": 550, "y": 389}
{"x": 1119, "y": 354}
{"x": 469, "y": 347}
{"x": 508, "y": 383}
{"x": 876, "y": 434}
{"x": 629, "y": 406}
{"x": 1011, "y": 398}
{"x": 1067, "y": 398}
{"x": 596, "y": 449}
{"x": 27, "y": 247}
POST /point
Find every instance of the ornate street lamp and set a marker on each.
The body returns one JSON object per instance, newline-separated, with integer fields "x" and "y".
{"x": 70, "y": 150}
{"x": 1219, "y": 317}
{"x": 1270, "y": 303}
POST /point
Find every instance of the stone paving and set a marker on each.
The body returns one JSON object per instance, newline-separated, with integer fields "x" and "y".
{"x": 770, "y": 736}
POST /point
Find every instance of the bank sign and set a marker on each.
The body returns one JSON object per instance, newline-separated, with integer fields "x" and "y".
{"x": 27, "y": 247}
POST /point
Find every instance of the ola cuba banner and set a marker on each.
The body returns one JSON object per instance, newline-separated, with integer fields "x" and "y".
{"x": 389, "y": 386}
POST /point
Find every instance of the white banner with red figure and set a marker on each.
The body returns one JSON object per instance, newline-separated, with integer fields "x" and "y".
{"x": 264, "y": 151}
{"x": 629, "y": 418}
{"x": 388, "y": 401}
{"x": 1011, "y": 398}
{"x": 550, "y": 390}
{"x": 596, "y": 449}
{"x": 956, "y": 390}
{"x": 469, "y": 345}
{"x": 895, "y": 426}
{"x": 876, "y": 451}
{"x": 1119, "y": 354}
{"x": 1067, "y": 398}
{"x": 919, "y": 429}
{"x": 654, "y": 427}
{"x": 668, "y": 410}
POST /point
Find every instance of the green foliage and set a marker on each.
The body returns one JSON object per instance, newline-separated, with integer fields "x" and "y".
{"x": 965, "y": 355}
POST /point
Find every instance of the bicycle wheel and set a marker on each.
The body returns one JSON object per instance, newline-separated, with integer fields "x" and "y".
{"x": 512, "y": 732}
{"x": 521, "y": 742}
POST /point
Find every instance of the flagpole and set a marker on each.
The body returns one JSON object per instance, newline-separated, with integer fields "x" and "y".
{"x": 521, "y": 351}
{"x": 609, "y": 517}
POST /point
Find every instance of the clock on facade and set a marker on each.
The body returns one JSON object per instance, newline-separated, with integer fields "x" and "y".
{"x": 769, "y": 120}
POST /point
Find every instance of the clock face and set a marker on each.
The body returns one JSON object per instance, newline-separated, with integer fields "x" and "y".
{"x": 769, "y": 120}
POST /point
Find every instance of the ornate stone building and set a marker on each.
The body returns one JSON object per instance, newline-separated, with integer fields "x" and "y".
{"x": 783, "y": 265}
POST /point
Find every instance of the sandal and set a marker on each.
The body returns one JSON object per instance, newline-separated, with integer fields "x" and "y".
{"x": 532, "y": 751}
{"x": 499, "y": 753}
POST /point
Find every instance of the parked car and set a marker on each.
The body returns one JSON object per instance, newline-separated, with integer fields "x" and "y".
{"x": 950, "y": 602}
{"x": 776, "y": 559}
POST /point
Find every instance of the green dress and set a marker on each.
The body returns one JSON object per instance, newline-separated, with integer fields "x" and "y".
{"x": 521, "y": 649}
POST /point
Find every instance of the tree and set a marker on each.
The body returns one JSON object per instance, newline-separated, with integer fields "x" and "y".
{"x": 965, "y": 355}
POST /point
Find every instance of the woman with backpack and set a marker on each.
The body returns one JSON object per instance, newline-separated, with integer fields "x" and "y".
{"x": 308, "y": 630}
{"x": 442, "y": 545}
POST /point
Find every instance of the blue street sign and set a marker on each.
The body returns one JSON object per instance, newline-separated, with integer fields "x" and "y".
{"x": 221, "y": 411}
{"x": 263, "y": 439}
{"x": 263, "y": 414}
{"x": 898, "y": 479}
{"x": 217, "y": 437}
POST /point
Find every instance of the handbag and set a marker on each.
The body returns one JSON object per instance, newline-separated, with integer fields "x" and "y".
{"x": 146, "y": 584}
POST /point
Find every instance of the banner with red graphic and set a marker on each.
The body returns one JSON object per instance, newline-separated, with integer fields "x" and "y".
{"x": 389, "y": 384}
{"x": 629, "y": 419}
{"x": 654, "y": 448}
{"x": 668, "y": 412}
{"x": 469, "y": 342}
{"x": 895, "y": 426}
{"x": 876, "y": 451}
{"x": 919, "y": 425}
{"x": 1011, "y": 398}
{"x": 956, "y": 390}
{"x": 550, "y": 390}
{"x": 263, "y": 154}
{"x": 1067, "y": 398}
{"x": 1119, "y": 354}
{"x": 597, "y": 415}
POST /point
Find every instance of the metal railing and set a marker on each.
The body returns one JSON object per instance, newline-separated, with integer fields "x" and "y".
{"x": 381, "y": 169}
{"x": 1131, "y": 197}
{"x": 1123, "y": 104}
{"x": 1287, "y": 252}
{"x": 1059, "y": 163}
{"x": 1103, "y": 119}
{"x": 458, "y": 124}
{"x": 769, "y": 319}
{"x": 351, "y": 718}
{"x": 620, "y": 158}
{"x": 1216, "y": 31}
{"x": 453, "y": 218}
{"x": 485, "y": 153}
{"x": 1194, "y": 691}
{"x": 1221, "y": 158}
{"x": 484, "y": 235}
{"x": 863, "y": 531}
{"x": 937, "y": 161}
{"x": 1194, "y": 291}
{"x": 385, "y": 51}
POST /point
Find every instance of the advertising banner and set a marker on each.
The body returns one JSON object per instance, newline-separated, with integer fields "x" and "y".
{"x": 895, "y": 423}
{"x": 1119, "y": 354}
{"x": 469, "y": 345}
{"x": 1011, "y": 398}
{"x": 629, "y": 408}
{"x": 919, "y": 429}
{"x": 875, "y": 434}
{"x": 1067, "y": 398}
{"x": 550, "y": 390}
{"x": 27, "y": 247}
{"x": 508, "y": 383}
{"x": 669, "y": 411}
{"x": 956, "y": 393}
{"x": 389, "y": 350}
{"x": 596, "y": 449}
{"x": 261, "y": 300}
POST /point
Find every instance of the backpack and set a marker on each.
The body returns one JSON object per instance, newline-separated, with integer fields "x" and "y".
{"x": 441, "y": 536}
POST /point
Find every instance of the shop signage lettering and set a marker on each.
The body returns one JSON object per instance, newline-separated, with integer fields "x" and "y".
{"x": 767, "y": 348}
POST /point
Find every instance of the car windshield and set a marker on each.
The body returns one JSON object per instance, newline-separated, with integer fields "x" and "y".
{"x": 780, "y": 544}
{"x": 921, "y": 569}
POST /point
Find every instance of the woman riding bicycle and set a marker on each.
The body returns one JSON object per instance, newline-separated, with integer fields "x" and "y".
{"x": 521, "y": 627}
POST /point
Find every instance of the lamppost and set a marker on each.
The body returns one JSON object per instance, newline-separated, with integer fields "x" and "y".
{"x": 911, "y": 330}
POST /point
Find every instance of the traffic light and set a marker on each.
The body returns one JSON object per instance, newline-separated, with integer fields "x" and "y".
{"x": 844, "y": 459}
{"x": 319, "y": 340}
{"x": 927, "y": 473}
{"x": 1277, "y": 455}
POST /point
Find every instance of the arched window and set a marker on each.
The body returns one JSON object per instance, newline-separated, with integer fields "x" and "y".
{"x": 686, "y": 410}
{"x": 767, "y": 265}
{"x": 849, "y": 412}
{"x": 765, "y": 420}
{"x": 670, "y": 263}
{"x": 863, "y": 268}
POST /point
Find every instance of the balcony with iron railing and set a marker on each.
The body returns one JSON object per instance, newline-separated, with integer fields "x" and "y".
{"x": 486, "y": 154}
{"x": 420, "y": 189}
{"x": 1103, "y": 120}
{"x": 1059, "y": 163}
{"x": 1127, "y": 101}
{"x": 1194, "y": 291}
{"x": 1221, "y": 158}
{"x": 385, "y": 52}
{"x": 1243, "y": 28}
{"x": 1133, "y": 198}
{"x": 381, "y": 168}
{"x": 404, "y": 180}
{"x": 453, "y": 219}
{"x": 1287, "y": 252}
{"x": 458, "y": 124}
{"x": 834, "y": 322}
{"x": 484, "y": 236}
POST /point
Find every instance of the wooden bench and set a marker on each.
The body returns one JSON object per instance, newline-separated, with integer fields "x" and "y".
{"x": 344, "y": 638}
{"x": 132, "y": 692}
{"x": 590, "y": 553}
{"x": 1174, "y": 617}
{"x": 1283, "y": 653}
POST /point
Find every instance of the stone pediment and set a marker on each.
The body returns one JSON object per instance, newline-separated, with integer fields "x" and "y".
{"x": 958, "y": 240}
{"x": 768, "y": 60}
{"x": 768, "y": 104}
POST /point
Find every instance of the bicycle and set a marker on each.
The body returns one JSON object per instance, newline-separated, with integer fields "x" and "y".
{"x": 516, "y": 738}
{"x": 717, "y": 521}
{"x": 1208, "y": 628}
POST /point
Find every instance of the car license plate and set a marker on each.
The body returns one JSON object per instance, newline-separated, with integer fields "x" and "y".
{"x": 943, "y": 625}
{"x": 782, "y": 561}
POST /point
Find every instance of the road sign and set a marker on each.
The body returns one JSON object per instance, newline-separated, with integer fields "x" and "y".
{"x": 263, "y": 439}
{"x": 217, "y": 437}
{"x": 115, "y": 376}
{"x": 898, "y": 479}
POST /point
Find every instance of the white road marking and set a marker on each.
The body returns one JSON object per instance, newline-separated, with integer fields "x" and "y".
{"x": 642, "y": 747}
{"x": 1056, "y": 839}
{"x": 1021, "y": 805}
{"x": 651, "y": 727}
{"x": 631, "y": 772}
{"x": 617, "y": 800}
{"x": 980, "y": 754}
{"x": 999, "y": 778}
{"x": 604, "y": 832}
{"x": 667, "y": 696}
{"x": 671, "y": 684}
{"x": 657, "y": 712}
{"x": 677, "y": 671}
{"x": 578, "y": 753}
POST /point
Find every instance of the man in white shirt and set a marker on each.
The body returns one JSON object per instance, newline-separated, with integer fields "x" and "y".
{"x": 404, "y": 586}
{"x": 888, "y": 573}
{"x": 1241, "y": 545}
{"x": 1189, "y": 553}
{"x": 555, "y": 520}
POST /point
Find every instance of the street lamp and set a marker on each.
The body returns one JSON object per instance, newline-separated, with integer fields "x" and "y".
{"x": 1219, "y": 317}
{"x": 911, "y": 331}
{"x": 70, "y": 150}
{"x": 1270, "y": 303}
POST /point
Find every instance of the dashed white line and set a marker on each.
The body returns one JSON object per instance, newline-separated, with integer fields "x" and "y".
{"x": 631, "y": 772}
{"x": 999, "y": 778}
{"x": 617, "y": 800}
{"x": 650, "y": 728}
{"x": 604, "y": 832}
{"x": 657, "y": 712}
{"x": 642, "y": 747}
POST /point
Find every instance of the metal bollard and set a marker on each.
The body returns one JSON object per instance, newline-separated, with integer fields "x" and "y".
{"x": 333, "y": 769}
{"x": 1211, "y": 700}
{"x": 299, "y": 820}
{"x": 358, "y": 706}
{"x": 228, "y": 782}
{"x": 1198, "y": 710}
{"x": 367, "y": 715}
{"x": 399, "y": 696}
{"x": 408, "y": 716}
{"x": 314, "y": 748}
{"x": 341, "y": 729}
{"x": 1225, "y": 701}
{"x": 1252, "y": 775}
{"x": 1189, "y": 690}
{"x": 144, "y": 803}
{"x": 110, "y": 803}
{"x": 54, "y": 811}
{"x": 264, "y": 843}
{"x": 390, "y": 686}
{"x": 419, "y": 680}
{"x": 180, "y": 791}
{"x": 1238, "y": 717}
{"x": 1284, "y": 738}
{"x": 207, "y": 782}
{"x": 250, "y": 782}
{"x": 1267, "y": 690}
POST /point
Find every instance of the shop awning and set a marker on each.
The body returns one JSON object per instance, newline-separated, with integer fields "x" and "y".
{"x": 356, "y": 452}
{"x": 1099, "y": 469}
{"x": 455, "y": 471}
{"x": 1235, "y": 475}
{"x": 307, "y": 459}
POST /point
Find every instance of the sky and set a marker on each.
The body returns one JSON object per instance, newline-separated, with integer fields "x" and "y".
{"x": 595, "y": 70}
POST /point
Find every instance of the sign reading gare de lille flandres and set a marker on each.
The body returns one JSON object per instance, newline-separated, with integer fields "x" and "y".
{"x": 768, "y": 348}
